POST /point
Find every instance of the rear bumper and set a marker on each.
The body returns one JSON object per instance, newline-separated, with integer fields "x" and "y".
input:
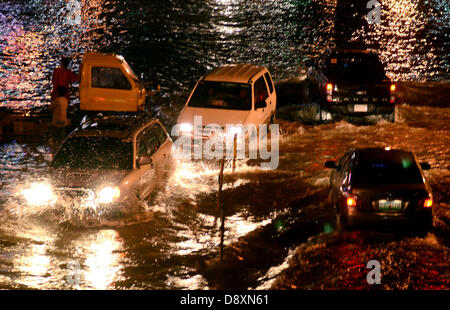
{"x": 421, "y": 218}
{"x": 349, "y": 108}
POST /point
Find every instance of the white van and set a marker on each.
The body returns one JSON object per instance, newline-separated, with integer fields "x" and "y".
{"x": 238, "y": 94}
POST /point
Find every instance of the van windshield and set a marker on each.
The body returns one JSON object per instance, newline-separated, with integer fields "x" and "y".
{"x": 94, "y": 153}
{"x": 221, "y": 95}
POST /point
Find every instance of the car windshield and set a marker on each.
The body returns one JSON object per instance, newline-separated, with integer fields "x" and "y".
{"x": 94, "y": 153}
{"x": 219, "y": 95}
{"x": 354, "y": 66}
{"x": 403, "y": 171}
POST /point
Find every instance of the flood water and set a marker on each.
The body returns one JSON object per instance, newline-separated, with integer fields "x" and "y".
{"x": 170, "y": 241}
{"x": 174, "y": 42}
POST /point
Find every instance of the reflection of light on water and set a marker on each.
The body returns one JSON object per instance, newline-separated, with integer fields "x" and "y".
{"x": 102, "y": 262}
{"x": 35, "y": 266}
{"x": 196, "y": 282}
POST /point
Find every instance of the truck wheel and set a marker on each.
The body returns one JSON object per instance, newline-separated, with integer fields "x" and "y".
{"x": 390, "y": 117}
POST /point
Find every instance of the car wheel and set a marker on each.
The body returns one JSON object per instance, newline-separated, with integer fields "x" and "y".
{"x": 341, "y": 222}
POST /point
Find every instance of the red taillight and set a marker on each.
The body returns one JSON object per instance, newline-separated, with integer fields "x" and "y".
{"x": 329, "y": 92}
{"x": 428, "y": 203}
{"x": 351, "y": 202}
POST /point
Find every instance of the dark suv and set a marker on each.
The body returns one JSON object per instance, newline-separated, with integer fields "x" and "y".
{"x": 380, "y": 186}
{"x": 349, "y": 83}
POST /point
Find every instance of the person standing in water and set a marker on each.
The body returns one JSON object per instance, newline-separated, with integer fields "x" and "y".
{"x": 60, "y": 121}
{"x": 64, "y": 77}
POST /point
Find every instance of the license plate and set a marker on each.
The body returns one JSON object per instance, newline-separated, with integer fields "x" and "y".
{"x": 390, "y": 205}
{"x": 360, "y": 108}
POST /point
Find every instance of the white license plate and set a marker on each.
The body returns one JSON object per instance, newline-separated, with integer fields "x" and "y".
{"x": 360, "y": 108}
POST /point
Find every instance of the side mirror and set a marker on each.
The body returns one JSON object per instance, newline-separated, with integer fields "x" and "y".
{"x": 144, "y": 160}
{"x": 425, "y": 166}
{"x": 261, "y": 104}
{"x": 330, "y": 164}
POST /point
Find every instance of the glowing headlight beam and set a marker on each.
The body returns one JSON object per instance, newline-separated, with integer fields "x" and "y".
{"x": 38, "y": 194}
{"x": 108, "y": 194}
{"x": 186, "y": 127}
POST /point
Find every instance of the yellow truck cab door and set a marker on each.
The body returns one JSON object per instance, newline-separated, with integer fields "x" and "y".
{"x": 109, "y": 84}
{"x": 110, "y": 90}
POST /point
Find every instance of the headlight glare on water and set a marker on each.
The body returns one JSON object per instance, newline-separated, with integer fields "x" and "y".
{"x": 38, "y": 194}
{"x": 108, "y": 194}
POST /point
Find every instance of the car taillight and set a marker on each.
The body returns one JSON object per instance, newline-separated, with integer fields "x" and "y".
{"x": 428, "y": 203}
{"x": 351, "y": 202}
{"x": 329, "y": 92}
{"x": 392, "y": 88}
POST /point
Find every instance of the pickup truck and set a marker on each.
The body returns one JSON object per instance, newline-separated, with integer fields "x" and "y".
{"x": 351, "y": 83}
{"x": 109, "y": 84}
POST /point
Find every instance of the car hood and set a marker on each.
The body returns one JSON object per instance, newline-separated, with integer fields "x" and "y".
{"x": 220, "y": 117}
{"x": 86, "y": 177}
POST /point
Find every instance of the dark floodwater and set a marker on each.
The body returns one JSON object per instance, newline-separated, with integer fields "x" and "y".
{"x": 176, "y": 41}
{"x": 171, "y": 240}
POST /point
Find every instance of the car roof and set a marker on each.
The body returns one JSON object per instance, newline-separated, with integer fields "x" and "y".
{"x": 119, "y": 126}
{"x": 102, "y": 58}
{"x": 236, "y": 73}
{"x": 338, "y": 52}
{"x": 383, "y": 155}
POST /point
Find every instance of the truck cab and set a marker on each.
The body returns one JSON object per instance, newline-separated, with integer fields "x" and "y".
{"x": 109, "y": 84}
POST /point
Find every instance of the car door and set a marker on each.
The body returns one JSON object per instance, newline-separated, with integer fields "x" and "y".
{"x": 261, "y": 101}
{"x": 110, "y": 89}
{"x": 145, "y": 148}
{"x": 272, "y": 94}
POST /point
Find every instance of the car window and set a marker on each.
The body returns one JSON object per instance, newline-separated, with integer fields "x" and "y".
{"x": 269, "y": 81}
{"x": 94, "y": 153}
{"x": 260, "y": 90}
{"x": 405, "y": 171}
{"x": 351, "y": 66}
{"x": 160, "y": 133}
{"x": 149, "y": 140}
{"x": 220, "y": 95}
{"x": 106, "y": 77}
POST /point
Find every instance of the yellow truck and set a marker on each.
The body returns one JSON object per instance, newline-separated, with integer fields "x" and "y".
{"x": 109, "y": 84}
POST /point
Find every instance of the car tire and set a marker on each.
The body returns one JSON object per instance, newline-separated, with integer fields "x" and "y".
{"x": 341, "y": 222}
{"x": 390, "y": 117}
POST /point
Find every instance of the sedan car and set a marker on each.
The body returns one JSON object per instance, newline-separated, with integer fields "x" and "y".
{"x": 380, "y": 186}
{"x": 106, "y": 160}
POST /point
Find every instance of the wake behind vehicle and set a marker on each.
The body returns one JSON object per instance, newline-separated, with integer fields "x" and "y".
{"x": 107, "y": 160}
{"x": 351, "y": 83}
{"x": 376, "y": 186}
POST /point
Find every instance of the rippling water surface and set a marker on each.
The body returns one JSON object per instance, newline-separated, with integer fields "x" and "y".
{"x": 176, "y": 41}
{"x": 171, "y": 240}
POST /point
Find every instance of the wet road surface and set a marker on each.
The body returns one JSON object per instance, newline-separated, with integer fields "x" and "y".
{"x": 171, "y": 240}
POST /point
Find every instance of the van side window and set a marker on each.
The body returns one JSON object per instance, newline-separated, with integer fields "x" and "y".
{"x": 104, "y": 77}
{"x": 260, "y": 90}
{"x": 269, "y": 81}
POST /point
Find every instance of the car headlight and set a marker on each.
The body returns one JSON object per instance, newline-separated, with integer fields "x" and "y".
{"x": 186, "y": 128}
{"x": 234, "y": 130}
{"x": 38, "y": 194}
{"x": 108, "y": 194}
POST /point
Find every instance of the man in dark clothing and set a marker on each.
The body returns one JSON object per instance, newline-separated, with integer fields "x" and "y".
{"x": 62, "y": 76}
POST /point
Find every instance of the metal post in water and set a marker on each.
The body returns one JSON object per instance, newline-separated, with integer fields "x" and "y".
{"x": 234, "y": 151}
{"x": 220, "y": 205}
